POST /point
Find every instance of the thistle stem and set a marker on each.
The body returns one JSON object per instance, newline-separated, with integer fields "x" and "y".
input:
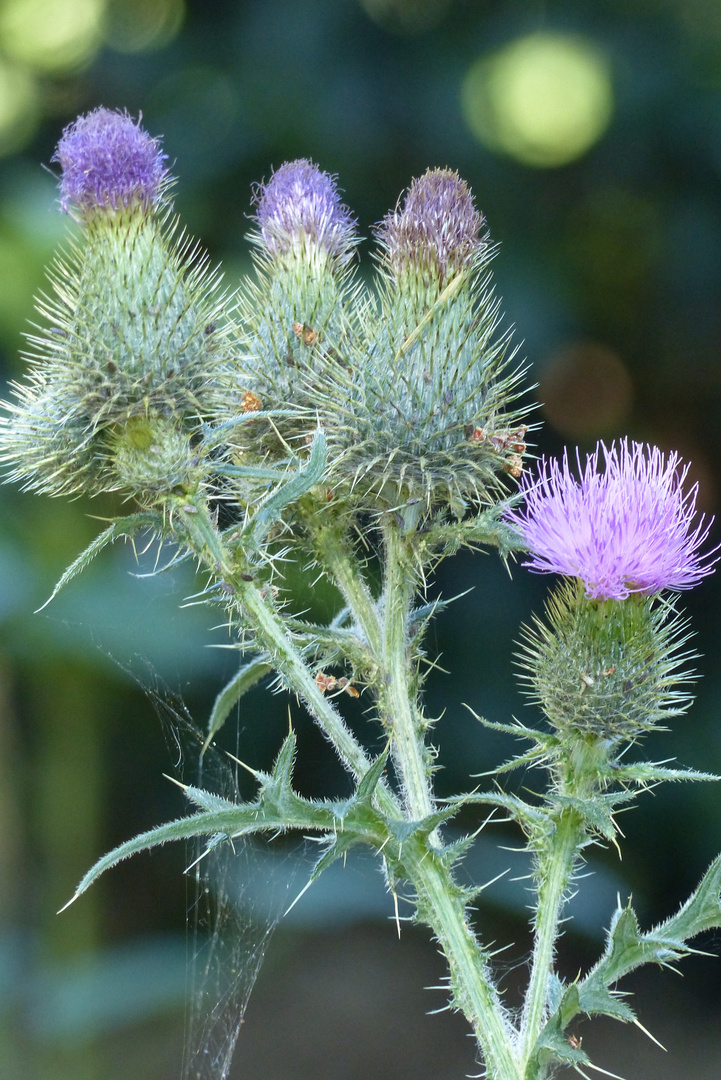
{"x": 200, "y": 534}
{"x": 338, "y": 561}
{"x": 442, "y": 906}
{"x": 554, "y": 867}
{"x": 399, "y": 710}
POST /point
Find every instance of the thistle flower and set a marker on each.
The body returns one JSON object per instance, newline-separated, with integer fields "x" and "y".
{"x": 300, "y": 206}
{"x": 109, "y": 162}
{"x": 628, "y": 529}
{"x": 436, "y": 229}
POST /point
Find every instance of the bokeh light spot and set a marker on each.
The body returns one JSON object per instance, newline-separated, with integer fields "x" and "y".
{"x": 586, "y": 391}
{"x": 141, "y": 25}
{"x": 19, "y": 108}
{"x": 544, "y": 100}
{"x": 51, "y": 36}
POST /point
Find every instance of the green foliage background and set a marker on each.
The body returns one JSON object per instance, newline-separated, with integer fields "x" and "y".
{"x": 610, "y": 267}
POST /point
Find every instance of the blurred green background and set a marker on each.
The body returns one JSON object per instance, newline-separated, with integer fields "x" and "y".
{"x": 591, "y": 135}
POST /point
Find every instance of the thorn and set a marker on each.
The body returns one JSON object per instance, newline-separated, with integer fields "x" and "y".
{"x": 653, "y": 1038}
{"x": 597, "y": 1068}
{"x": 253, "y": 772}
{"x": 301, "y": 893}
{"x": 398, "y": 921}
{"x": 66, "y": 906}
{"x": 183, "y": 787}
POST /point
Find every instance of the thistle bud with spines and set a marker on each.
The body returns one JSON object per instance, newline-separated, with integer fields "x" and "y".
{"x": 425, "y": 411}
{"x": 296, "y": 311}
{"x": 133, "y": 330}
{"x": 608, "y": 670}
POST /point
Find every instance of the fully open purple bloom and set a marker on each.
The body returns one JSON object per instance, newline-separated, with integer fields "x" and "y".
{"x": 109, "y": 162}
{"x": 301, "y": 204}
{"x": 436, "y": 228}
{"x": 629, "y": 528}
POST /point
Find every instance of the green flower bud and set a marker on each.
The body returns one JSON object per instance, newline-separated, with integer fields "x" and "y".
{"x": 150, "y": 456}
{"x": 607, "y": 669}
{"x": 295, "y": 312}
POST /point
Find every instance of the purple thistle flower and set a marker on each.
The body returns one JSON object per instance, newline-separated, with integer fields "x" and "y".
{"x": 628, "y": 529}
{"x": 301, "y": 204}
{"x": 109, "y": 162}
{"x": 436, "y": 228}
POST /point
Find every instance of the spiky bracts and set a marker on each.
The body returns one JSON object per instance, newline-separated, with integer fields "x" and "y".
{"x": 133, "y": 333}
{"x": 297, "y": 311}
{"x": 606, "y": 669}
{"x": 422, "y": 408}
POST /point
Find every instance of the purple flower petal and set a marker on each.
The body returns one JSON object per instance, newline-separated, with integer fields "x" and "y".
{"x": 301, "y": 203}
{"x": 627, "y": 529}
{"x": 109, "y": 162}
{"x": 436, "y": 228}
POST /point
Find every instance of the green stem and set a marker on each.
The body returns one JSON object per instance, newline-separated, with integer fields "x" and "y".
{"x": 338, "y": 560}
{"x": 555, "y": 863}
{"x": 398, "y": 681}
{"x": 198, "y": 531}
{"x": 442, "y": 906}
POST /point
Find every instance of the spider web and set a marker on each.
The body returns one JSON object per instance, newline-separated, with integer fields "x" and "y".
{"x": 229, "y": 923}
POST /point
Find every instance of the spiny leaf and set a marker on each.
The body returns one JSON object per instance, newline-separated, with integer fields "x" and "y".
{"x": 647, "y": 772}
{"x": 300, "y": 482}
{"x": 240, "y": 820}
{"x": 597, "y": 812}
{"x": 702, "y": 910}
{"x": 249, "y": 674}
{"x": 518, "y": 809}
{"x": 126, "y": 526}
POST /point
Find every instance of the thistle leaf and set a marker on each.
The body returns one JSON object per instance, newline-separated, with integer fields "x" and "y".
{"x": 126, "y": 526}
{"x": 249, "y": 674}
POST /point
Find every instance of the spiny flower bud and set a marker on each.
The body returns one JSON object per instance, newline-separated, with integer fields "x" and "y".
{"x": 109, "y": 162}
{"x": 295, "y": 314}
{"x": 435, "y": 231}
{"x": 150, "y": 456}
{"x": 300, "y": 209}
{"x": 134, "y": 333}
{"x": 605, "y": 669}
{"x": 422, "y": 408}
{"x": 628, "y": 529}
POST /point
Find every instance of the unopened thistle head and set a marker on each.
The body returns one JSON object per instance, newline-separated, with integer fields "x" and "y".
{"x": 436, "y": 230}
{"x": 423, "y": 410}
{"x": 109, "y": 162}
{"x": 629, "y": 528}
{"x": 294, "y": 313}
{"x": 606, "y": 670}
{"x": 133, "y": 334}
{"x": 299, "y": 209}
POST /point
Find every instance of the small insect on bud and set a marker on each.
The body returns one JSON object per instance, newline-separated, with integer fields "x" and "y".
{"x": 250, "y": 402}
{"x": 109, "y": 163}
{"x": 305, "y": 333}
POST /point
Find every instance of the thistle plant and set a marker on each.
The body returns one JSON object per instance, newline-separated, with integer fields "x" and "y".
{"x": 308, "y": 418}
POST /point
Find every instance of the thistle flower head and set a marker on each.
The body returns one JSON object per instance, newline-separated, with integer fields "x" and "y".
{"x": 300, "y": 206}
{"x": 109, "y": 162}
{"x": 435, "y": 229}
{"x": 627, "y": 529}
